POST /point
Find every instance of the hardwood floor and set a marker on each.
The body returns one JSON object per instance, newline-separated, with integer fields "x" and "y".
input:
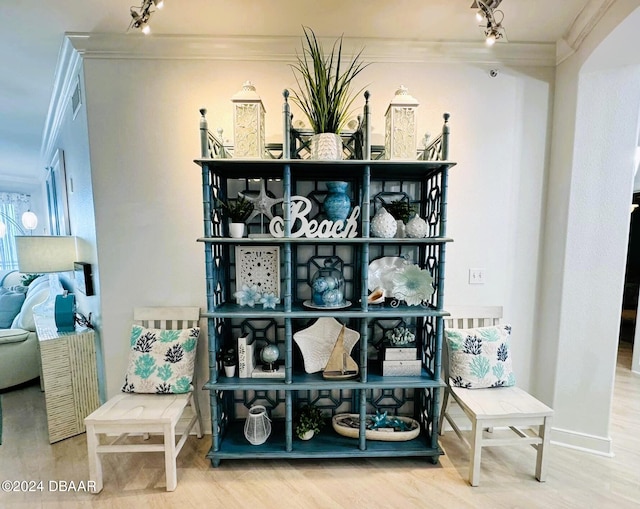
{"x": 575, "y": 479}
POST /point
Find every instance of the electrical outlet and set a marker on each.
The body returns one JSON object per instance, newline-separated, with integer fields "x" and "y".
{"x": 476, "y": 276}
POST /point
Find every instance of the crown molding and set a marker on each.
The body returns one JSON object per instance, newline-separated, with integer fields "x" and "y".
{"x": 19, "y": 181}
{"x": 79, "y": 46}
{"x": 69, "y": 63}
{"x": 284, "y": 48}
{"x": 581, "y": 27}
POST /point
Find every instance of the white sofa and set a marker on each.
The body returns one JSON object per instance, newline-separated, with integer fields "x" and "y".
{"x": 19, "y": 347}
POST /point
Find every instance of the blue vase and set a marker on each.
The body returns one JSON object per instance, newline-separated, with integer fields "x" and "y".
{"x": 337, "y": 204}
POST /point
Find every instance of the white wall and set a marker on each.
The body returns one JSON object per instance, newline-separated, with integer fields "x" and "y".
{"x": 595, "y": 133}
{"x": 143, "y": 129}
{"x": 73, "y": 139}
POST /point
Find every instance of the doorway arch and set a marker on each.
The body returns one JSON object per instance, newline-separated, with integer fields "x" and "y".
{"x": 595, "y": 134}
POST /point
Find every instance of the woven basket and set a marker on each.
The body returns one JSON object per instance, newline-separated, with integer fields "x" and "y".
{"x": 344, "y": 424}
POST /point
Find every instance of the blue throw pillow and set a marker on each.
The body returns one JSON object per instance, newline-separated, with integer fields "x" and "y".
{"x": 10, "y": 305}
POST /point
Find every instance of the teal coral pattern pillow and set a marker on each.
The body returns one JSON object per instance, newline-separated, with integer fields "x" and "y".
{"x": 161, "y": 361}
{"x": 480, "y": 358}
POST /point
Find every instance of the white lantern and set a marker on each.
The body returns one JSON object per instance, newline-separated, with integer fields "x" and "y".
{"x": 400, "y": 126}
{"x": 248, "y": 122}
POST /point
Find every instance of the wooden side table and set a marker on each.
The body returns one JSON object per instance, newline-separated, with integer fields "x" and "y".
{"x": 70, "y": 378}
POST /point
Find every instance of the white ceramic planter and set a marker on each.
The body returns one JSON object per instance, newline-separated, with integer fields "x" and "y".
{"x": 307, "y": 435}
{"x": 230, "y": 370}
{"x": 236, "y": 230}
{"x": 326, "y": 147}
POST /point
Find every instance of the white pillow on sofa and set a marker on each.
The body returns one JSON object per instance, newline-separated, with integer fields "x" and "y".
{"x": 35, "y": 295}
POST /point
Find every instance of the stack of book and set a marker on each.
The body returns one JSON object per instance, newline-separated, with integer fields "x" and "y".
{"x": 401, "y": 360}
{"x": 246, "y": 356}
{"x": 248, "y": 367}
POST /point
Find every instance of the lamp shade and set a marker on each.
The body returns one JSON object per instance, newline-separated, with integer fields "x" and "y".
{"x": 29, "y": 220}
{"x": 41, "y": 253}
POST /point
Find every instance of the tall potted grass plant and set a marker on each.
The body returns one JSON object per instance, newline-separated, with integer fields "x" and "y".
{"x": 325, "y": 92}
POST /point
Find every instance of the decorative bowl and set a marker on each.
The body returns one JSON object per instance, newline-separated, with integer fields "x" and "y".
{"x": 348, "y": 425}
{"x": 381, "y": 272}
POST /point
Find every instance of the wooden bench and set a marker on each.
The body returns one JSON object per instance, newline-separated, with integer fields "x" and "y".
{"x": 509, "y": 407}
{"x": 145, "y": 414}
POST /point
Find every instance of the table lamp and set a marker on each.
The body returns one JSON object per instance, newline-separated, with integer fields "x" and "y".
{"x": 50, "y": 254}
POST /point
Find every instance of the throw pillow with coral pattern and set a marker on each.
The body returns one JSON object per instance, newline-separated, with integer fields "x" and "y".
{"x": 161, "y": 361}
{"x": 481, "y": 357}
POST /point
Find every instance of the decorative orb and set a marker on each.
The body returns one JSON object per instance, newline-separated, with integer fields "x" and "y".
{"x": 320, "y": 285}
{"x": 332, "y": 298}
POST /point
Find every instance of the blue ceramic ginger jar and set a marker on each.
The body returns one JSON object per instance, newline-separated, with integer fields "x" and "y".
{"x": 337, "y": 204}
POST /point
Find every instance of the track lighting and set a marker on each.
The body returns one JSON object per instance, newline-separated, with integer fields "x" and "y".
{"x": 140, "y": 15}
{"x": 486, "y": 12}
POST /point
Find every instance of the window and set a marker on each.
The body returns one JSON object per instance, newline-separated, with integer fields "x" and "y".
{"x": 57, "y": 196}
{"x": 12, "y": 206}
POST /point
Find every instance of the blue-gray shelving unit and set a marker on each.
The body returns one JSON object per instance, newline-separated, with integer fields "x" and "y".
{"x": 371, "y": 183}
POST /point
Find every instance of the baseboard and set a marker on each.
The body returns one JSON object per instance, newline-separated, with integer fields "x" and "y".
{"x": 602, "y": 446}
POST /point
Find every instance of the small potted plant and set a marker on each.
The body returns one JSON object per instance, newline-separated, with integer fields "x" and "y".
{"x": 229, "y": 361}
{"x": 308, "y": 421}
{"x": 401, "y": 210}
{"x": 237, "y": 211}
{"x": 325, "y": 95}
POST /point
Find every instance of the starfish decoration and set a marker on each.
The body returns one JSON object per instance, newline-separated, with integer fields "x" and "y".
{"x": 262, "y": 203}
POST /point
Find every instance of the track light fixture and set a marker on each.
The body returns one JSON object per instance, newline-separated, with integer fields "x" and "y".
{"x": 140, "y": 15}
{"x": 487, "y": 12}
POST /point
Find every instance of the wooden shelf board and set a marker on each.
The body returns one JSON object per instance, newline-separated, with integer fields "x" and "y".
{"x": 314, "y": 381}
{"x": 327, "y": 444}
{"x": 230, "y": 310}
{"x": 305, "y": 240}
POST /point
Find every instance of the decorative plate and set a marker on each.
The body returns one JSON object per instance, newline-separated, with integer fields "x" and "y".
{"x": 317, "y": 341}
{"x": 412, "y": 285}
{"x": 348, "y": 425}
{"x": 311, "y": 305}
{"x": 381, "y": 272}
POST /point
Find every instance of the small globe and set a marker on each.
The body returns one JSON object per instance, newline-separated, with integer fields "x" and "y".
{"x": 269, "y": 354}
